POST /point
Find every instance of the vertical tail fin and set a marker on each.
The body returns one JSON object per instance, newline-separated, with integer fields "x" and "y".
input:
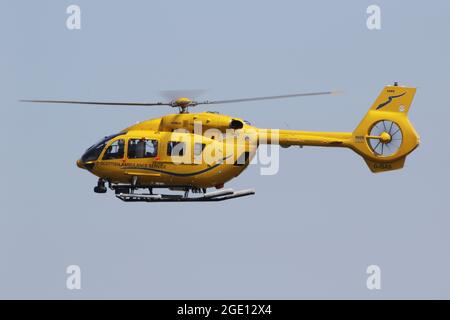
{"x": 394, "y": 99}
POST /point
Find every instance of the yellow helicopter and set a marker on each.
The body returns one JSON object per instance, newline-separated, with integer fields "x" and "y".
{"x": 191, "y": 152}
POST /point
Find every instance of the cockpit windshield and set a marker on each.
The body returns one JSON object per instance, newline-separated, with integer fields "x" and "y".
{"x": 93, "y": 152}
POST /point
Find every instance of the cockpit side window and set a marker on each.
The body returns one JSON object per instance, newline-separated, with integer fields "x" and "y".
{"x": 115, "y": 150}
{"x": 142, "y": 148}
{"x": 93, "y": 152}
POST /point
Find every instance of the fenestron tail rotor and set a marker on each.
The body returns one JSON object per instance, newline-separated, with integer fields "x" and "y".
{"x": 385, "y": 138}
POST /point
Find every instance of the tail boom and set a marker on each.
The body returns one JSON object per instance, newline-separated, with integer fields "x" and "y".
{"x": 384, "y": 137}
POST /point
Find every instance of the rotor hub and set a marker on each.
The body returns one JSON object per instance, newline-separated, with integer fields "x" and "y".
{"x": 182, "y": 102}
{"x": 385, "y": 137}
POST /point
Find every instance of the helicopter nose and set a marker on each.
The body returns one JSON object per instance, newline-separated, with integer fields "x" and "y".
{"x": 80, "y": 164}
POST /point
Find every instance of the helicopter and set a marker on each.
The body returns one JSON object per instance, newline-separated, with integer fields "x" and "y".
{"x": 170, "y": 152}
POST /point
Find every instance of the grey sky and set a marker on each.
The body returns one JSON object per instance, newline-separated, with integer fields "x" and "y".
{"x": 309, "y": 232}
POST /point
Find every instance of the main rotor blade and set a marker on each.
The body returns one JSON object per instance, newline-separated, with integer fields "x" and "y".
{"x": 192, "y": 104}
{"x": 100, "y": 103}
{"x": 270, "y": 97}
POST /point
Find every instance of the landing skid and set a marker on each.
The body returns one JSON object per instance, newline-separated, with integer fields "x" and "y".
{"x": 210, "y": 196}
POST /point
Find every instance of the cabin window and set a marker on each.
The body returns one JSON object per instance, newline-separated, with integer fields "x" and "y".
{"x": 198, "y": 148}
{"x": 142, "y": 148}
{"x": 175, "y": 148}
{"x": 115, "y": 150}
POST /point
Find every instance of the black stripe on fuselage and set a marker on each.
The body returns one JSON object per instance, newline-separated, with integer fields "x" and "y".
{"x": 177, "y": 174}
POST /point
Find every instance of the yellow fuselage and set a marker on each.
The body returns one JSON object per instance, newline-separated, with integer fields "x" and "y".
{"x": 229, "y": 144}
{"x": 165, "y": 169}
